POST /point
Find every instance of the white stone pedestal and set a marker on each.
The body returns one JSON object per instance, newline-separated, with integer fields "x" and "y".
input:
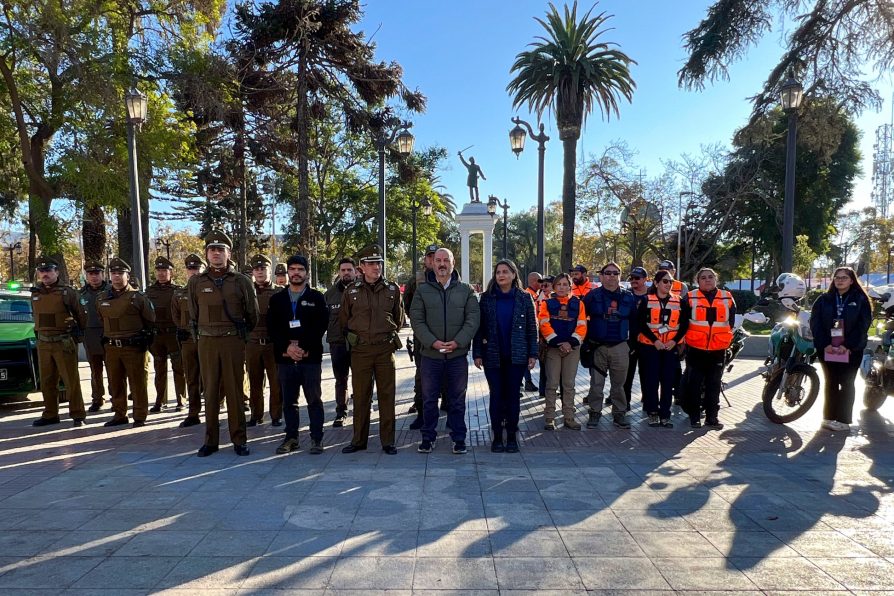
{"x": 474, "y": 219}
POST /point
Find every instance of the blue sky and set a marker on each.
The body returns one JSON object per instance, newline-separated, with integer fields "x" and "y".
{"x": 459, "y": 54}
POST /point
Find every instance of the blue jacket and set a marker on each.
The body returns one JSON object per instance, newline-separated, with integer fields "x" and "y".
{"x": 857, "y": 315}
{"x": 524, "y": 330}
{"x": 609, "y": 327}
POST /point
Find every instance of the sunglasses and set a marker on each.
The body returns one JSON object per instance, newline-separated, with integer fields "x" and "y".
{"x": 666, "y": 281}
{"x": 636, "y": 278}
{"x": 611, "y": 273}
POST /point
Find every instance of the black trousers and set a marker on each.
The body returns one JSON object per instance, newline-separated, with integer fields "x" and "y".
{"x": 341, "y": 367}
{"x": 839, "y": 390}
{"x": 704, "y": 368}
{"x": 631, "y": 371}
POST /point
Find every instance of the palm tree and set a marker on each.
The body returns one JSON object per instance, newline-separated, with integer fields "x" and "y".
{"x": 569, "y": 70}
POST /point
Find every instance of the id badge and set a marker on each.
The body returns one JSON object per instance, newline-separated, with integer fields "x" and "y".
{"x": 294, "y": 324}
{"x": 837, "y": 329}
{"x": 663, "y": 329}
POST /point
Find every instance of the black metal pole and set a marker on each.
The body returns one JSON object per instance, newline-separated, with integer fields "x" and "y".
{"x": 505, "y": 230}
{"x": 888, "y": 274}
{"x": 753, "y": 259}
{"x": 382, "y": 202}
{"x": 138, "y": 266}
{"x": 541, "y": 217}
{"x": 788, "y": 210}
{"x": 12, "y": 265}
{"x": 415, "y": 208}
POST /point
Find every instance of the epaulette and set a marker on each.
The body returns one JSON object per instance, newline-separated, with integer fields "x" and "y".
{"x": 392, "y": 286}
{"x": 357, "y": 284}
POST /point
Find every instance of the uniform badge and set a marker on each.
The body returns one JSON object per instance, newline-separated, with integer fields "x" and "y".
{"x": 105, "y": 304}
{"x": 35, "y": 297}
{"x": 207, "y": 290}
{"x": 349, "y": 292}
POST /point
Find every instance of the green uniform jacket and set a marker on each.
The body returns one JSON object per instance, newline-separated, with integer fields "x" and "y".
{"x": 449, "y": 314}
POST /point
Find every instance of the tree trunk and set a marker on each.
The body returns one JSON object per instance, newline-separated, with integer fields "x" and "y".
{"x": 306, "y": 241}
{"x": 569, "y": 199}
{"x": 125, "y": 236}
{"x": 93, "y": 233}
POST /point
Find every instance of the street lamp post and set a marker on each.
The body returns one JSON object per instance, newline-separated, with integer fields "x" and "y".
{"x": 382, "y": 138}
{"x": 137, "y": 106}
{"x": 791, "y": 94}
{"x": 517, "y": 143}
{"x": 415, "y": 206}
{"x": 492, "y": 204}
{"x": 15, "y": 248}
{"x": 159, "y": 242}
{"x": 680, "y": 227}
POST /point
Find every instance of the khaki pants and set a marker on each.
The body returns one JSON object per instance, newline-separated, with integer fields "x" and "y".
{"x": 260, "y": 362}
{"x": 560, "y": 368}
{"x": 128, "y": 365}
{"x": 60, "y": 359}
{"x": 164, "y": 346}
{"x": 609, "y": 361}
{"x": 189, "y": 356}
{"x": 221, "y": 360}
{"x": 368, "y": 362}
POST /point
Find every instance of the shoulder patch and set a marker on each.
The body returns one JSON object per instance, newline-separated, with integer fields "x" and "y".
{"x": 392, "y": 286}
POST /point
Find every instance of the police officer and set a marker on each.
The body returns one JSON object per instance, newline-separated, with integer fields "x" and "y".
{"x": 371, "y": 315}
{"x": 164, "y": 344}
{"x": 96, "y": 285}
{"x": 224, "y": 310}
{"x": 259, "y": 357}
{"x": 280, "y": 275}
{"x": 338, "y": 349}
{"x": 189, "y": 351}
{"x": 409, "y": 292}
{"x": 58, "y": 319}
{"x": 127, "y": 320}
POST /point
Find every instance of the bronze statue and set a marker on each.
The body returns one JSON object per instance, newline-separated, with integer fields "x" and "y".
{"x": 472, "y": 180}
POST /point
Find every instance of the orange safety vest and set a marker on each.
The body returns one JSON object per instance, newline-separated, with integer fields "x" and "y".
{"x": 703, "y": 335}
{"x": 581, "y": 290}
{"x": 677, "y": 287}
{"x": 654, "y": 322}
{"x": 533, "y": 293}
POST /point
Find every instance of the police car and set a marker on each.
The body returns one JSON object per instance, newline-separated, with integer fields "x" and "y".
{"x": 19, "y": 374}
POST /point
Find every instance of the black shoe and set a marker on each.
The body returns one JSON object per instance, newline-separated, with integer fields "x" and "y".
{"x": 666, "y": 423}
{"x": 251, "y": 422}
{"x": 390, "y": 449}
{"x": 179, "y": 408}
{"x": 353, "y": 449}
{"x": 620, "y": 420}
{"x": 316, "y": 447}
{"x": 497, "y": 447}
{"x": 511, "y": 447}
{"x": 245, "y": 408}
{"x": 412, "y": 409}
{"x": 586, "y": 399}
{"x": 529, "y": 386}
{"x": 206, "y": 450}
{"x": 77, "y": 422}
{"x": 693, "y": 423}
{"x": 117, "y": 421}
{"x": 713, "y": 424}
{"x": 95, "y": 406}
{"x": 287, "y": 446}
{"x": 593, "y": 419}
{"x": 416, "y": 424}
{"x": 241, "y": 449}
{"x": 276, "y": 422}
{"x": 425, "y": 446}
{"x": 608, "y": 401}
{"x": 459, "y": 448}
{"x": 339, "y": 421}
{"x": 139, "y": 423}
{"x": 46, "y": 421}
{"x": 190, "y": 421}
{"x": 155, "y": 409}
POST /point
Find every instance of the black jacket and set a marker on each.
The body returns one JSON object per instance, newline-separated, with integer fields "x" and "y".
{"x": 857, "y": 315}
{"x": 311, "y": 311}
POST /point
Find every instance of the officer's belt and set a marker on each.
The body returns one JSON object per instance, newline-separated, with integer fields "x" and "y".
{"x": 363, "y": 342}
{"x": 229, "y": 333}
{"x": 165, "y": 329}
{"x": 53, "y": 338}
{"x": 124, "y": 343}
{"x": 261, "y": 341}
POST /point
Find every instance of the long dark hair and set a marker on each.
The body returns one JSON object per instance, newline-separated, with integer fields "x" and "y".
{"x": 855, "y": 282}
{"x": 516, "y": 282}
{"x": 659, "y": 275}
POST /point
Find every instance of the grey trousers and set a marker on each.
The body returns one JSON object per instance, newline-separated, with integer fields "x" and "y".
{"x": 612, "y": 362}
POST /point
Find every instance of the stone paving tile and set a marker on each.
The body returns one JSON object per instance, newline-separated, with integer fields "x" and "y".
{"x": 287, "y": 573}
{"x": 823, "y": 544}
{"x": 536, "y": 543}
{"x": 223, "y": 543}
{"x": 127, "y": 572}
{"x": 703, "y": 574}
{"x": 537, "y": 573}
{"x": 858, "y": 574}
{"x": 167, "y": 544}
{"x": 785, "y": 574}
{"x": 202, "y": 573}
{"x": 45, "y": 572}
{"x": 24, "y": 543}
{"x": 384, "y": 543}
{"x": 453, "y": 544}
{"x": 613, "y": 573}
{"x": 373, "y": 573}
{"x": 454, "y": 574}
{"x": 675, "y": 544}
{"x": 89, "y": 543}
{"x": 306, "y": 543}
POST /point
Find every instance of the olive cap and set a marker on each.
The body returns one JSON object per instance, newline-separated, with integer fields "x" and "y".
{"x": 46, "y": 263}
{"x": 94, "y": 266}
{"x": 117, "y": 264}
{"x": 163, "y": 263}
{"x": 217, "y": 238}
{"x": 260, "y": 261}
{"x": 194, "y": 261}
{"x": 371, "y": 254}
{"x": 280, "y": 269}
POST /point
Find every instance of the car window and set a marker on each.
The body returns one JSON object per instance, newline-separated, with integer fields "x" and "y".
{"x": 15, "y": 309}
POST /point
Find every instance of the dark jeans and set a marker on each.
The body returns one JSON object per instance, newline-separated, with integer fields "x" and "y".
{"x": 839, "y": 389}
{"x": 307, "y": 378}
{"x": 341, "y": 366}
{"x": 703, "y": 367}
{"x": 454, "y": 372}
{"x": 505, "y": 405}
{"x": 631, "y": 371}
{"x": 657, "y": 372}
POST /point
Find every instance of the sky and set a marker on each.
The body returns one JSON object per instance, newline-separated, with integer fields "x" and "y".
{"x": 459, "y": 54}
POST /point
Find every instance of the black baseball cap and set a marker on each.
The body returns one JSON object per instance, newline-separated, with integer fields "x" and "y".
{"x": 638, "y": 272}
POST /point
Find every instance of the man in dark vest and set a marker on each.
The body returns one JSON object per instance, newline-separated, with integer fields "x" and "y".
{"x": 189, "y": 349}
{"x": 260, "y": 360}
{"x": 338, "y": 349}
{"x": 96, "y": 285}
{"x": 164, "y": 344}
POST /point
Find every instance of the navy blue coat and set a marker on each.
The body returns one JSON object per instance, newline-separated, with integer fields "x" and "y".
{"x": 486, "y": 344}
{"x": 857, "y": 315}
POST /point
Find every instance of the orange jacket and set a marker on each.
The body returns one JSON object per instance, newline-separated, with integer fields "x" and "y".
{"x": 702, "y": 334}
{"x": 582, "y": 290}
{"x": 664, "y": 330}
{"x": 556, "y": 320}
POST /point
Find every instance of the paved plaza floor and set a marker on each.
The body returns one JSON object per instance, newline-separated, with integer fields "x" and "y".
{"x": 754, "y": 508}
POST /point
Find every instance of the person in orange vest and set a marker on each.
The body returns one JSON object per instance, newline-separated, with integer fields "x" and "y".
{"x": 663, "y": 322}
{"x": 581, "y": 284}
{"x": 637, "y": 280}
{"x": 546, "y": 291}
{"x": 678, "y": 286}
{"x": 533, "y": 290}
{"x": 710, "y": 333}
{"x": 563, "y": 326}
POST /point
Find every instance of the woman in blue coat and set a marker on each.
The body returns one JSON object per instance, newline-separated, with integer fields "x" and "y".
{"x": 505, "y": 346}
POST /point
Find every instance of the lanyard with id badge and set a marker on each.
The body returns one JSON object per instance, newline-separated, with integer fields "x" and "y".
{"x": 294, "y": 323}
{"x": 837, "y": 332}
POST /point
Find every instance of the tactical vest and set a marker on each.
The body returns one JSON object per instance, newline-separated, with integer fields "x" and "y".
{"x": 121, "y": 316}
{"x": 709, "y": 324}
{"x": 599, "y": 317}
{"x": 51, "y": 315}
{"x": 563, "y": 317}
{"x": 371, "y": 307}
{"x": 264, "y": 293}
{"x": 211, "y": 296}
{"x": 180, "y": 306}
{"x": 161, "y": 296}
{"x": 664, "y": 321}
{"x": 88, "y": 298}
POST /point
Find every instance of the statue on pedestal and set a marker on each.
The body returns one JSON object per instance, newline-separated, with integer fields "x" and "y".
{"x": 472, "y": 180}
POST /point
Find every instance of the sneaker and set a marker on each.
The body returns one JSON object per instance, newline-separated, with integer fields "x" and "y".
{"x": 459, "y": 447}
{"x": 316, "y": 447}
{"x": 287, "y": 446}
{"x": 713, "y": 424}
{"x": 512, "y": 446}
{"x": 695, "y": 423}
{"x": 593, "y": 419}
{"x": 620, "y": 420}
{"x": 572, "y": 424}
{"x": 425, "y": 446}
{"x": 835, "y": 425}
{"x": 550, "y": 424}
{"x": 666, "y": 423}
{"x": 339, "y": 421}
{"x": 654, "y": 420}
{"x": 155, "y": 409}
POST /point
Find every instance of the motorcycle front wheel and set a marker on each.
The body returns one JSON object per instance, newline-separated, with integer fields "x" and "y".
{"x": 785, "y": 404}
{"x": 873, "y": 398}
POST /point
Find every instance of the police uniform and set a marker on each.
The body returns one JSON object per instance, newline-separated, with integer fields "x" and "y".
{"x": 93, "y": 335}
{"x": 371, "y": 315}
{"x": 224, "y": 309}
{"x": 260, "y": 360}
{"x": 189, "y": 352}
{"x": 164, "y": 345}
{"x": 339, "y": 354}
{"x": 280, "y": 275}
{"x": 127, "y": 319}
{"x": 57, "y": 320}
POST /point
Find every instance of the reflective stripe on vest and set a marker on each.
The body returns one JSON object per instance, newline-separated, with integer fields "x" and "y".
{"x": 703, "y": 335}
{"x": 654, "y": 321}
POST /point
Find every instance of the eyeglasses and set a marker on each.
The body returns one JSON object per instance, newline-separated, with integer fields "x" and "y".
{"x": 842, "y": 277}
{"x": 611, "y": 273}
{"x": 666, "y": 281}
{"x": 635, "y": 278}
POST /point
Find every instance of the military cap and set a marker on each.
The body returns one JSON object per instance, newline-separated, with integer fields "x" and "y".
{"x": 280, "y": 269}
{"x": 46, "y": 263}
{"x": 260, "y": 261}
{"x": 163, "y": 263}
{"x": 93, "y": 266}
{"x": 431, "y": 249}
{"x": 371, "y": 254}
{"x": 217, "y": 238}
{"x": 117, "y": 264}
{"x": 194, "y": 261}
